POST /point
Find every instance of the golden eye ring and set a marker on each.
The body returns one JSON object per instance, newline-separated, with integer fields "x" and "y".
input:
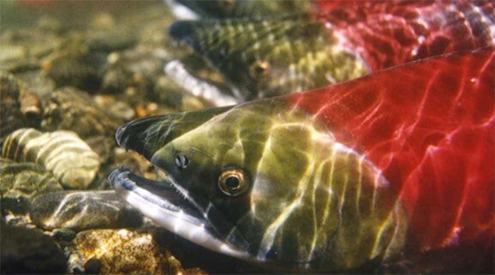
{"x": 259, "y": 69}
{"x": 232, "y": 182}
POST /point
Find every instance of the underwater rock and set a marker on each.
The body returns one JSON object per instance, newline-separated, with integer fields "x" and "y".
{"x": 116, "y": 108}
{"x": 76, "y": 67}
{"x": 38, "y": 84}
{"x": 93, "y": 266}
{"x": 63, "y": 234}
{"x": 23, "y": 48}
{"x": 30, "y": 105}
{"x": 13, "y": 57}
{"x": 115, "y": 80}
{"x": 29, "y": 251}
{"x": 83, "y": 210}
{"x": 75, "y": 260}
{"x": 136, "y": 69}
{"x": 20, "y": 182}
{"x": 129, "y": 252}
{"x": 74, "y": 110}
{"x": 108, "y": 40}
{"x": 11, "y": 116}
{"x": 63, "y": 153}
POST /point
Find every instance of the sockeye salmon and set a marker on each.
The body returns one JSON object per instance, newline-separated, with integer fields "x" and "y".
{"x": 399, "y": 162}
{"x": 338, "y": 41}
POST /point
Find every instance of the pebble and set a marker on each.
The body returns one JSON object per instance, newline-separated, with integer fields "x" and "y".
{"x": 63, "y": 234}
{"x": 75, "y": 66}
{"x": 83, "y": 210}
{"x": 74, "y": 110}
{"x": 127, "y": 251}
{"x": 10, "y": 108}
{"x": 118, "y": 109}
{"x": 30, "y": 106}
{"x": 93, "y": 266}
{"x": 63, "y": 153}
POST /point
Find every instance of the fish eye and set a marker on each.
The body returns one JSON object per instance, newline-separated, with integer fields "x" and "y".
{"x": 232, "y": 182}
{"x": 181, "y": 161}
{"x": 259, "y": 69}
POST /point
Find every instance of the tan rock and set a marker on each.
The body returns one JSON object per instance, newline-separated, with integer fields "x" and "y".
{"x": 127, "y": 251}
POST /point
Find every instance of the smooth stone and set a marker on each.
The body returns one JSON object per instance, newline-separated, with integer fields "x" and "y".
{"x": 93, "y": 266}
{"x": 63, "y": 153}
{"x": 82, "y": 210}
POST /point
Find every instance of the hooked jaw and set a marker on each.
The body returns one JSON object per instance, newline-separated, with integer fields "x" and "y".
{"x": 167, "y": 202}
{"x": 126, "y": 136}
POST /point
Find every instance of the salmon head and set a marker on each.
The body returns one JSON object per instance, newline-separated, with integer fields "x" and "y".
{"x": 265, "y": 182}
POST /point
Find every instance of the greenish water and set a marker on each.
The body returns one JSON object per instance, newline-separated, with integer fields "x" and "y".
{"x": 75, "y": 14}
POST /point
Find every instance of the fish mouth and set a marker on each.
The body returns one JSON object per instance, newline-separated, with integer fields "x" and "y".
{"x": 168, "y": 204}
{"x": 169, "y": 207}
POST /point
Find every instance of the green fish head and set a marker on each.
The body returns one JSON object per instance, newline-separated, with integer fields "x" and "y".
{"x": 263, "y": 58}
{"x": 271, "y": 184}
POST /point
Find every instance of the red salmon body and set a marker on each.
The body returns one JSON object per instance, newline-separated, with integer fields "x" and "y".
{"x": 429, "y": 127}
{"x": 387, "y": 33}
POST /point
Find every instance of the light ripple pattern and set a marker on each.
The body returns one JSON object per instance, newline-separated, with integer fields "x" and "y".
{"x": 62, "y": 153}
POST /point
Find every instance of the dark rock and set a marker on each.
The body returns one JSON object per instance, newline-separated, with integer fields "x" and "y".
{"x": 17, "y": 205}
{"x": 93, "y": 266}
{"x": 11, "y": 117}
{"x": 75, "y": 66}
{"x": 28, "y": 251}
{"x": 63, "y": 234}
{"x": 20, "y": 182}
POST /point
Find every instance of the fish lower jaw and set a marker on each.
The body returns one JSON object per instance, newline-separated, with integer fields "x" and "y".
{"x": 180, "y": 190}
{"x": 168, "y": 215}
